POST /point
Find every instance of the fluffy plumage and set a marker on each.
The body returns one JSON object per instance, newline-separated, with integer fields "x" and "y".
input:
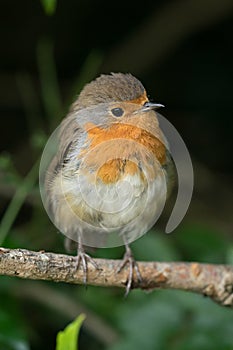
{"x": 107, "y": 184}
{"x": 109, "y": 88}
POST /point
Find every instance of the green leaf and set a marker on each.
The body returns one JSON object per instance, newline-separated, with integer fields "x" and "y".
{"x": 49, "y": 6}
{"x": 68, "y": 339}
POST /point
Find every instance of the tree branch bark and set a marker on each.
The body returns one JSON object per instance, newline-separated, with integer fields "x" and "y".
{"x": 214, "y": 281}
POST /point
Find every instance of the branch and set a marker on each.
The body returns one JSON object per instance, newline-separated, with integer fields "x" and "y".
{"x": 215, "y": 281}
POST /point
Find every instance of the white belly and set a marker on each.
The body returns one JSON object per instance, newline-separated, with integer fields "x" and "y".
{"x": 108, "y": 215}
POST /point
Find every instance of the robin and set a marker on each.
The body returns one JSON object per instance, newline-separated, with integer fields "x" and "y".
{"x": 108, "y": 178}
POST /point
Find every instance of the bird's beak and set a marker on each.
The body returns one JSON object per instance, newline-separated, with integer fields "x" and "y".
{"x": 150, "y": 106}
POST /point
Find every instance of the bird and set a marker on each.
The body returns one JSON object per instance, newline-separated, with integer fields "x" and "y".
{"x": 110, "y": 173}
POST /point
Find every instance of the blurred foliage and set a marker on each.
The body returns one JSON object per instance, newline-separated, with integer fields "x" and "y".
{"x": 49, "y": 6}
{"x": 175, "y": 320}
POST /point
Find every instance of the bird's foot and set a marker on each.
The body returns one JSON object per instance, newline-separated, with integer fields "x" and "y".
{"x": 83, "y": 259}
{"x": 133, "y": 266}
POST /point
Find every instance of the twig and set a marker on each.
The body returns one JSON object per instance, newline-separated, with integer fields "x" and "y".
{"x": 215, "y": 281}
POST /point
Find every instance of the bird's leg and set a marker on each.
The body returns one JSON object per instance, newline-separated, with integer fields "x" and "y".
{"x": 83, "y": 258}
{"x": 133, "y": 266}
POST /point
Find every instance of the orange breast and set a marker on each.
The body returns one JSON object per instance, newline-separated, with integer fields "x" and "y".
{"x": 115, "y": 168}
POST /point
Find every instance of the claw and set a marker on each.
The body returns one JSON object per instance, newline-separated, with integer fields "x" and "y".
{"x": 83, "y": 258}
{"x": 133, "y": 266}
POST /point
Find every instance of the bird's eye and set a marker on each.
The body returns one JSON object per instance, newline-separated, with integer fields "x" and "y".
{"x": 117, "y": 112}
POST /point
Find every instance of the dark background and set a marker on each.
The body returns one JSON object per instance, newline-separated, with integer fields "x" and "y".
{"x": 182, "y": 52}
